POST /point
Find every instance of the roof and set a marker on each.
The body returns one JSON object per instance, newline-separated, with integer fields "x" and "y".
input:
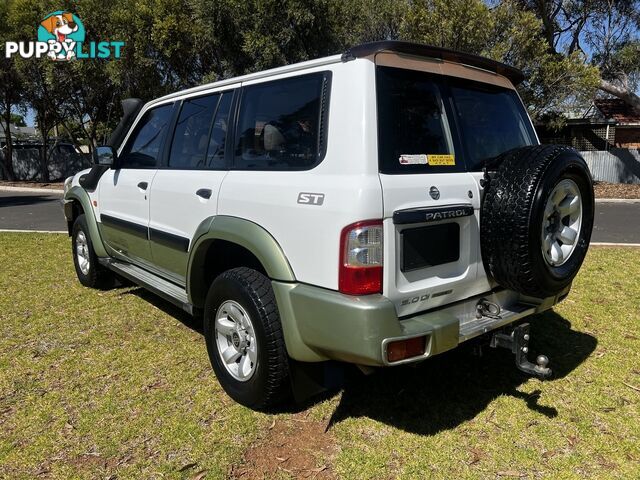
{"x": 420, "y": 50}
{"x": 364, "y": 50}
{"x": 616, "y": 109}
{"x": 15, "y": 130}
{"x": 253, "y": 76}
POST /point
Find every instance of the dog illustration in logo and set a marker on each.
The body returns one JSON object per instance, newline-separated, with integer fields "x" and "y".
{"x": 60, "y": 26}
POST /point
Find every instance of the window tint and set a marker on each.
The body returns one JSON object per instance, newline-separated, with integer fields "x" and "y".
{"x": 191, "y": 137}
{"x": 492, "y": 120}
{"x": 412, "y": 122}
{"x": 143, "y": 147}
{"x": 215, "y": 152}
{"x": 279, "y": 124}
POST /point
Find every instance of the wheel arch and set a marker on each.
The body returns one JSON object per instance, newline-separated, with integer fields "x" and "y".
{"x": 225, "y": 242}
{"x": 81, "y": 203}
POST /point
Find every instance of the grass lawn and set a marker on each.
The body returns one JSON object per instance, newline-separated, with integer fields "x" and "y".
{"x": 117, "y": 384}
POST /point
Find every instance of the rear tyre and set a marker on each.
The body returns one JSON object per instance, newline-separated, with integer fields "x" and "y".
{"x": 536, "y": 219}
{"x": 89, "y": 271}
{"x": 244, "y": 339}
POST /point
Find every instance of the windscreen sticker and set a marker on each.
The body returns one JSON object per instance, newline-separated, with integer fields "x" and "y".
{"x": 413, "y": 159}
{"x": 440, "y": 160}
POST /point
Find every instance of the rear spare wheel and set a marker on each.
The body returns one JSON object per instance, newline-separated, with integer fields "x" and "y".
{"x": 536, "y": 219}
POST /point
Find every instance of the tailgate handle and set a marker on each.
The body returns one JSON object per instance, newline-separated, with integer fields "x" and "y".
{"x": 432, "y": 214}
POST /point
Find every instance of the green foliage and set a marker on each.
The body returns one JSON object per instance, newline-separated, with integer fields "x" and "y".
{"x": 175, "y": 44}
{"x": 17, "y": 120}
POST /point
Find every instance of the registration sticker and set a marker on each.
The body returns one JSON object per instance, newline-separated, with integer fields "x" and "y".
{"x": 441, "y": 160}
{"x": 413, "y": 159}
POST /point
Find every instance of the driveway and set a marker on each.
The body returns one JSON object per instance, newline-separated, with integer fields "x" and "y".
{"x": 31, "y": 211}
{"x": 615, "y": 222}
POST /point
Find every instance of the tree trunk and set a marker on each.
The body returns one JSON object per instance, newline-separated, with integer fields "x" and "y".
{"x": 44, "y": 153}
{"x": 624, "y": 94}
{"x": 7, "y": 164}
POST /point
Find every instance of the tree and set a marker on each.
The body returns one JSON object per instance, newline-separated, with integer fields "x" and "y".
{"x": 18, "y": 120}
{"x": 10, "y": 93}
{"x": 603, "y": 32}
{"x": 503, "y": 31}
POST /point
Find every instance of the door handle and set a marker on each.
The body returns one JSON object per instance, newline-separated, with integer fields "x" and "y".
{"x": 143, "y": 185}
{"x": 204, "y": 193}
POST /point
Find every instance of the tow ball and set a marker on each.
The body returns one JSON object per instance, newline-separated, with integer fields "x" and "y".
{"x": 518, "y": 342}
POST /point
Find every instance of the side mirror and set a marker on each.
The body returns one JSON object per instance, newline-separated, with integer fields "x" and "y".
{"x": 104, "y": 155}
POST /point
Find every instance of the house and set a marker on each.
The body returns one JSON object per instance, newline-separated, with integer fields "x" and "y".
{"x": 608, "y": 123}
{"x": 19, "y": 134}
{"x": 627, "y": 121}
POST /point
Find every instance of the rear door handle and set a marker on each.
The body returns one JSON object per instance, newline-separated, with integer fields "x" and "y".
{"x": 143, "y": 185}
{"x": 204, "y": 193}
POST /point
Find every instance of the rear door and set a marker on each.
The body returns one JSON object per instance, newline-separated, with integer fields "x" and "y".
{"x": 430, "y": 202}
{"x": 185, "y": 190}
{"x": 124, "y": 192}
{"x": 435, "y": 133}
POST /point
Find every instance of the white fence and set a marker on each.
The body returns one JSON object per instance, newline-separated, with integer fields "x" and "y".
{"x": 618, "y": 165}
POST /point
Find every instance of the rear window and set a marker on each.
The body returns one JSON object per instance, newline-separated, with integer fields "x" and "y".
{"x": 412, "y": 123}
{"x": 492, "y": 120}
{"x": 416, "y": 128}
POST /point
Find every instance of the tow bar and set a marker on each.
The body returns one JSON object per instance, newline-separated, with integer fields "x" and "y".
{"x": 518, "y": 342}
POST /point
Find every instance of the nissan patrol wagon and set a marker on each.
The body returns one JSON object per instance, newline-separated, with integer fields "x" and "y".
{"x": 377, "y": 208}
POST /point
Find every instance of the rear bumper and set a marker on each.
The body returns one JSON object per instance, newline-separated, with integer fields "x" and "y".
{"x": 323, "y": 324}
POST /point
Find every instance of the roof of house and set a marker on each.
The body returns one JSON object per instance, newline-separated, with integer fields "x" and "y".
{"x": 618, "y": 110}
{"x": 15, "y": 130}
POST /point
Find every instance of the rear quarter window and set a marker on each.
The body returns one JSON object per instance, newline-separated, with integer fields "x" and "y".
{"x": 282, "y": 124}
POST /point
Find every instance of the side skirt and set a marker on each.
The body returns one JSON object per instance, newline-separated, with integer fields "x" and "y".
{"x": 155, "y": 284}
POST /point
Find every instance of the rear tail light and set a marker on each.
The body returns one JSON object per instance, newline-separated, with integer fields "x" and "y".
{"x": 361, "y": 258}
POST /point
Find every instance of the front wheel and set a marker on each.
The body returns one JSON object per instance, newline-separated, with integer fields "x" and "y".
{"x": 90, "y": 273}
{"x": 244, "y": 339}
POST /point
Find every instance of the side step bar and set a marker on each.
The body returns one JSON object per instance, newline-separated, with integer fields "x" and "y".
{"x": 158, "y": 285}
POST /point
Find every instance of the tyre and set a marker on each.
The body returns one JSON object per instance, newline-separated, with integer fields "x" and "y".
{"x": 89, "y": 271}
{"x": 244, "y": 339}
{"x": 536, "y": 219}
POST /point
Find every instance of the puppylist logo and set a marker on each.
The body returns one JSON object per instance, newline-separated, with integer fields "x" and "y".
{"x": 61, "y": 37}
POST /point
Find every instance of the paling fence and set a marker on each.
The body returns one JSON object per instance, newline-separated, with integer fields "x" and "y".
{"x": 617, "y": 165}
{"x": 26, "y": 164}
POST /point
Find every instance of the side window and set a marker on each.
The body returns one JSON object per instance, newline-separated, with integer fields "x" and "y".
{"x": 142, "y": 150}
{"x": 191, "y": 137}
{"x": 280, "y": 124}
{"x": 215, "y": 152}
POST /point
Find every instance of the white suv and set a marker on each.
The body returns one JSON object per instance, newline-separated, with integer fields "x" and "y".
{"x": 377, "y": 207}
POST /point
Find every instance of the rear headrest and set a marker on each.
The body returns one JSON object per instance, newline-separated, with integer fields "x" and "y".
{"x": 273, "y": 138}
